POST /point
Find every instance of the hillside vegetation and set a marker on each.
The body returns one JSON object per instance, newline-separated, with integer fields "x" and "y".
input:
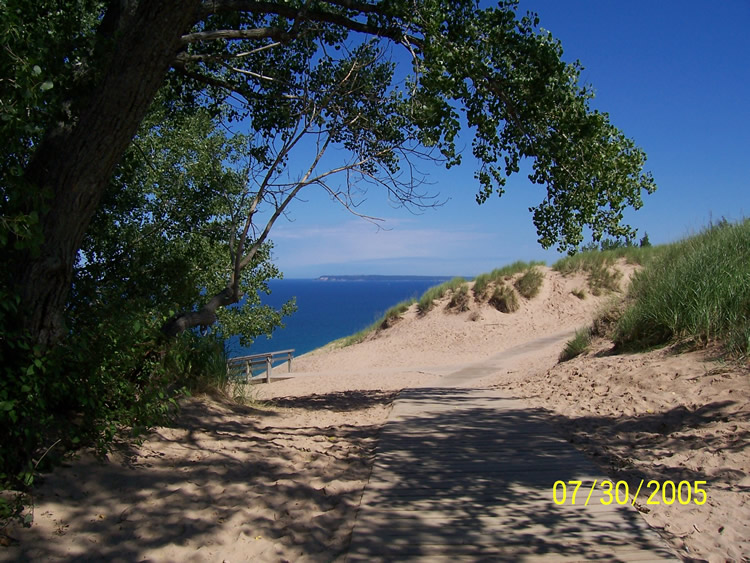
{"x": 499, "y": 289}
{"x": 697, "y": 289}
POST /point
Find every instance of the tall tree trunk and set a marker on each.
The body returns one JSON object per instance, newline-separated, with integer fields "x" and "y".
{"x": 75, "y": 162}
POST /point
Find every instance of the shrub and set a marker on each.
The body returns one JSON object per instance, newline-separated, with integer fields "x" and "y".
{"x": 117, "y": 378}
{"x": 577, "y": 345}
{"x": 199, "y": 363}
{"x": 698, "y": 288}
{"x": 580, "y": 293}
{"x": 504, "y": 299}
{"x": 530, "y": 283}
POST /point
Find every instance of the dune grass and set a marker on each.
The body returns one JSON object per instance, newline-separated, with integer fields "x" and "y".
{"x": 483, "y": 281}
{"x": 593, "y": 260}
{"x": 427, "y": 301}
{"x": 504, "y": 299}
{"x": 597, "y": 265}
{"x": 698, "y": 289}
{"x": 530, "y": 283}
{"x": 387, "y": 320}
{"x": 460, "y": 299}
{"x": 577, "y": 345}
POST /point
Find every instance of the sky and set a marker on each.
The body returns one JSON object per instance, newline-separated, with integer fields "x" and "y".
{"x": 673, "y": 75}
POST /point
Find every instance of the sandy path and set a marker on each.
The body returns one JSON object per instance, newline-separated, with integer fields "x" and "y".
{"x": 281, "y": 481}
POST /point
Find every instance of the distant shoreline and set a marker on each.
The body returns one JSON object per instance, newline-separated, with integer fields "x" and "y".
{"x": 368, "y": 277}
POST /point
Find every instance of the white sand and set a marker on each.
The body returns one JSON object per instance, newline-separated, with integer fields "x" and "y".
{"x": 283, "y": 481}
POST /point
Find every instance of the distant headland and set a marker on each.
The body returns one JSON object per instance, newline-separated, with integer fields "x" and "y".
{"x": 369, "y": 278}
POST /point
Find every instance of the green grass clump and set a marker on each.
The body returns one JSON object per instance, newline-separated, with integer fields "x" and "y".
{"x": 606, "y": 319}
{"x": 460, "y": 299}
{"x": 427, "y": 301}
{"x": 591, "y": 260}
{"x": 483, "y": 281}
{"x": 597, "y": 264}
{"x": 504, "y": 299}
{"x": 577, "y": 345}
{"x": 698, "y": 288}
{"x": 602, "y": 279}
{"x": 530, "y": 283}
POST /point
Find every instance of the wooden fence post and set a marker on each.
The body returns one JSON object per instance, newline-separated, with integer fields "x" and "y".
{"x": 268, "y": 369}
{"x": 290, "y": 362}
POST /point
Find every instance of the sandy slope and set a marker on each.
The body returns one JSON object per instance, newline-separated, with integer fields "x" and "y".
{"x": 282, "y": 481}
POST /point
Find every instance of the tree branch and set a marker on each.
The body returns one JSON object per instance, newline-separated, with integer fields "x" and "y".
{"x": 274, "y": 33}
{"x": 222, "y": 6}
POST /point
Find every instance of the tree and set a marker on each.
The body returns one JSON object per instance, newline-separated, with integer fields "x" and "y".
{"x": 160, "y": 241}
{"x": 345, "y": 103}
{"x": 103, "y": 64}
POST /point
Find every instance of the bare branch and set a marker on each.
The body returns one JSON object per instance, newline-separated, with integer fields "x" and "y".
{"x": 348, "y": 204}
{"x": 318, "y": 15}
{"x": 234, "y": 34}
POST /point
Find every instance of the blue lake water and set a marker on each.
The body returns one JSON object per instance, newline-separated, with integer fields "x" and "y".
{"x": 329, "y": 310}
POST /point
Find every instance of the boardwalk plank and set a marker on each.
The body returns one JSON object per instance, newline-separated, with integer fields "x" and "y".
{"x": 467, "y": 475}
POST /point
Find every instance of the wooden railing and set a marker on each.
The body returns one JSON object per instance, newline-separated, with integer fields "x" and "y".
{"x": 255, "y": 360}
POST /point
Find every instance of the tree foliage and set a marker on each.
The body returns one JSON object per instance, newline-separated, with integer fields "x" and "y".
{"x": 150, "y": 146}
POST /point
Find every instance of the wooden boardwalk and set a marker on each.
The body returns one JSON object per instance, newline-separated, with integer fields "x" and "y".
{"x": 467, "y": 475}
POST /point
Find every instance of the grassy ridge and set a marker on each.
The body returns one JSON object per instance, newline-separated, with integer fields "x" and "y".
{"x": 427, "y": 301}
{"x": 482, "y": 282}
{"x": 590, "y": 261}
{"x": 390, "y": 316}
{"x": 698, "y": 288}
{"x": 597, "y": 265}
{"x": 530, "y": 283}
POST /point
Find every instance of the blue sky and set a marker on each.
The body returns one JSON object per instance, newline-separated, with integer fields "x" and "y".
{"x": 673, "y": 75}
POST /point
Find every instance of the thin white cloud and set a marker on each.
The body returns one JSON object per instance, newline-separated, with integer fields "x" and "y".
{"x": 359, "y": 241}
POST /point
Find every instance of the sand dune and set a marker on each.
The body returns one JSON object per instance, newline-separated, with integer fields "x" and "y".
{"x": 281, "y": 480}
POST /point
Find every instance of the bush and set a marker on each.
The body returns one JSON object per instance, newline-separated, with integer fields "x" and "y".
{"x": 529, "y": 284}
{"x": 118, "y": 380}
{"x": 699, "y": 288}
{"x": 504, "y": 299}
{"x": 577, "y": 345}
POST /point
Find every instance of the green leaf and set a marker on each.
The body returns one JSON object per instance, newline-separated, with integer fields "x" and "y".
{"x": 46, "y": 85}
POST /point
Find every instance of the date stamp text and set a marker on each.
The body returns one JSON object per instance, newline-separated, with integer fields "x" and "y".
{"x": 655, "y": 492}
